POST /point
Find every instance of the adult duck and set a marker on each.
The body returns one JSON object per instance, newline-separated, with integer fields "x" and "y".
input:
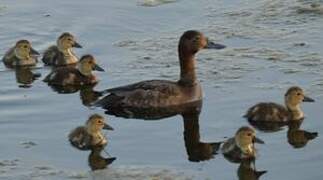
{"x": 163, "y": 93}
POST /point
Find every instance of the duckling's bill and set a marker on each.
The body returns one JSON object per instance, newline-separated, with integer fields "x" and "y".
{"x": 257, "y": 140}
{"x": 308, "y": 99}
{"x": 34, "y": 52}
{"x": 107, "y": 127}
{"x": 77, "y": 45}
{"x": 98, "y": 68}
{"x": 212, "y": 45}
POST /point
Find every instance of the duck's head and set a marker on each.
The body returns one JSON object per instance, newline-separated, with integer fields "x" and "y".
{"x": 245, "y": 138}
{"x": 87, "y": 64}
{"x": 295, "y": 96}
{"x": 67, "y": 41}
{"x": 192, "y": 41}
{"x": 23, "y": 50}
{"x": 96, "y": 123}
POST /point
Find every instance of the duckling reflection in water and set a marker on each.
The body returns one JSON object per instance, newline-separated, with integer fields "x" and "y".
{"x": 25, "y": 76}
{"x": 297, "y": 137}
{"x": 247, "y": 171}
{"x": 89, "y": 136}
{"x": 22, "y": 54}
{"x": 82, "y": 75}
{"x": 62, "y": 54}
{"x": 272, "y": 112}
{"x": 241, "y": 146}
{"x": 96, "y": 161}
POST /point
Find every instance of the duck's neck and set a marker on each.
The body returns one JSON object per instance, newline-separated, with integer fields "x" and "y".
{"x": 296, "y": 111}
{"x": 22, "y": 57}
{"x": 187, "y": 64}
{"x": 246, "y": 148}
{"x": 84, "y": 71}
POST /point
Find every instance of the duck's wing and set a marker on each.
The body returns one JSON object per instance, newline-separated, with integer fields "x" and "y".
{"x": 50, "y": 55}
{"x": 80, "y": 139}
{"x": 267, "y": 112}
{"x": 9, "y": 56}
{"x": 145, "y": 94}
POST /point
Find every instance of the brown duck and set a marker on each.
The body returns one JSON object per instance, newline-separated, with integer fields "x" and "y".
{"x": 81, "y": 75}
{"x": 163, "y": 93}
{"x": 62, "y": 53}
{"x": 272, "y": 112}
{"x": 22, "y": 54}
{"x": 90, "y": 136}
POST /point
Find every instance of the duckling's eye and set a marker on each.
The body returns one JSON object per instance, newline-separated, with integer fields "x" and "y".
{"x": 249, "y": 134}
{"x": 25, "y": 46}
{"x": 298, "y": 94}
{"x": 69, "y": 39}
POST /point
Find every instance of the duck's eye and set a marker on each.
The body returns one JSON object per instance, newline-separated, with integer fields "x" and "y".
{"x": 298, "y": 94}
{"x": 249, "y": 134}
{"x": 25, "y": 46}
{"x": 69, "y": 39}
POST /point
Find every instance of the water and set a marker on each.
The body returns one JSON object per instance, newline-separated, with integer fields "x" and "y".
{"x": 271, "y": 46}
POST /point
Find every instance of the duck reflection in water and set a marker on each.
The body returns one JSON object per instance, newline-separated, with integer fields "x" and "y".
{"x": 25, "y": 77}
{"x": 296, "y": 137}
{"x": 97, "y": 161}
{"x": 247, "y": 171}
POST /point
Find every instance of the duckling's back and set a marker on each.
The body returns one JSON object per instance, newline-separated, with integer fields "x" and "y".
{"x": 9, "y": 58}
{"x": 268, "y": 112}
{"x": 51, "y": 55}
{"x": 80, "y": 138}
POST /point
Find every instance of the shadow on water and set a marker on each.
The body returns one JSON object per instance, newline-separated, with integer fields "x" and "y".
{"x": 97, "y": 161}
{"x": 296, "y": 137}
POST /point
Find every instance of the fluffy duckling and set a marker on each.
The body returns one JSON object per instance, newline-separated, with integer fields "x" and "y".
{"x": 22, "y": 54}
{"x": 90, "y": 136}
{"x": 272, "y": 112}
{"x": 81, "y": 75}
{"x": 163, "y": 93}
{"x": 62, "y": 54}
{"x": 241, "y": 146}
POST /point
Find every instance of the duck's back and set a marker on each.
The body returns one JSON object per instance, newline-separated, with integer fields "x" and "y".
{"x": 64, "y": 76}
{"x": 10, "y": 58}
{"x": 149, "y": 94}
{"x": 51, "y": 55}
{"x": 231, "y": 152}
{"x": 80, "y": 138}
{"x": 268, "y": 112}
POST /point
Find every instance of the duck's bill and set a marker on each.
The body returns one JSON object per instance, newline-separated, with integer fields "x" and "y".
{"x": 257, "y": 140}
{"x": 98, "y": 68}
{"x": 212, "y": 45}
{"x": 77, "y": 45}
{"x": 34, "y": 52}
{"x": 108, "y": 127}
{"x": 308, "y": 99}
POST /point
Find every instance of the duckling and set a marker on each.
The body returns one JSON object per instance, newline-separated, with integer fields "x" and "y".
{"x": 90, "y": 136}
{"x": 81, "y": 75}
{"x": 22, "y": 54}
{"x": 62, "y": 54}
{"x": 272, "y": 112}
{"x": 163, "y": 93}
{"x": 241, "y": 146}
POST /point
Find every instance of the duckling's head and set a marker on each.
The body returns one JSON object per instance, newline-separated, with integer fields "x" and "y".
{"x": 67, "y": 41}
{"x": 23, "y": 50}
{"x": 245, "y": 138}
{"x": 87, "y": 64}
{"x": 192, "y": 41}
{"x": 294, "y": 97}
{"x": 96, "y": 123}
